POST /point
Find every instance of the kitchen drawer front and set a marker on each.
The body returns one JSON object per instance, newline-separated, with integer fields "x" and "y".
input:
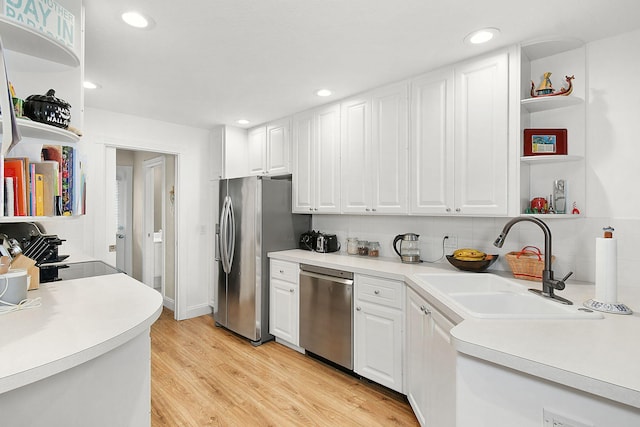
{"x": 284, "y": 270}
{"x": 389, "y": 293}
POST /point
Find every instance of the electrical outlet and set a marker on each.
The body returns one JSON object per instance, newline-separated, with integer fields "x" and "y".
{"x": 451, "y": 241}
{"x": 552, "y": 419}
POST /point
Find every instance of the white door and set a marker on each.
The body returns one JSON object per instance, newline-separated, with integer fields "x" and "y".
{"x": 283, "y": 315}
{"x": 432, "y": 162}
{"x": 327, "y": 153}
{"x": 416, "y": 383}
{"x": 257, "y": 138}
{"x": 378, "y": 344}
{"x": 303, "y": 128}
{"x": 389, "y": 158}
{"x": 124, "y": 216}
{"x": 355, "y": 139}
{"x": 481, "y": 136}
{"x": 153, "y": 253}
{"x": 278, "y": 143}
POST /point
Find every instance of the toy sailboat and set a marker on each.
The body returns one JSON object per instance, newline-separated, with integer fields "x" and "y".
{"x": 546, "y": 88}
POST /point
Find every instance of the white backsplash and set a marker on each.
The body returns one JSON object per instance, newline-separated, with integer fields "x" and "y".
{"x": 573, "y": 239}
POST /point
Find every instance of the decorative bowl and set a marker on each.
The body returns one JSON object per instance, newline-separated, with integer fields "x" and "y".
{"x": 475, "y": 266}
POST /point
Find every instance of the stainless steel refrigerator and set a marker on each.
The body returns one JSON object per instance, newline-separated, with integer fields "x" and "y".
{"x": 255, "y": 219}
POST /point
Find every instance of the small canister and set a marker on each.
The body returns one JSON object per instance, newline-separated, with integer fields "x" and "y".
{"x": 13, "y": 287}
{"x": 374, "y": 249}
{"x": 352, "y": 245}
{"x": 363, "y": 247}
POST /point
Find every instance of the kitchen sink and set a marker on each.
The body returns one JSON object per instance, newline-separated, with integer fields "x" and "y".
{"x": 490, "y": 296}
{"x": 470, "y": 282}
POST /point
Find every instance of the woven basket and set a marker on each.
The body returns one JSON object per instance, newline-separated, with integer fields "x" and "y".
{"x": 527, "y": 264}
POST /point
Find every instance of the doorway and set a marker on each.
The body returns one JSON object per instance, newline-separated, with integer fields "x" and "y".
{"x": 151, "y": 217}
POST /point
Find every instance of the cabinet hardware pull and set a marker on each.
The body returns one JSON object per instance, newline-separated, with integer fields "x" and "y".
{"x": 423, "y": 308}
{"x": 374, "y": 209}
{"x": 377, "y": 292}
{"x": 457, "y": 209}
{"x": 448, "y": 209}
{"x": 367, "y": 209}
{"x": 358, "y": 308}
{"x": 281, "y": 271}
{"x": 291, "y": 290}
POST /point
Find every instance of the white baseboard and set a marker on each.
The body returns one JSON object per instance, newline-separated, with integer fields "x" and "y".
{"x": 169, "y": 304}
{"x": 197, "y": 311}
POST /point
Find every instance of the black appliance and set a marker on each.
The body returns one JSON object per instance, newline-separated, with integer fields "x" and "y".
{"x": 319, "y": 242}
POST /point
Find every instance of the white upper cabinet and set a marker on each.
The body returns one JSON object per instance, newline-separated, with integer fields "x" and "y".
{"x": 257, "y": 147}
{"x": 316, "y": 154}
{"x": 278, "y": 147}
{"x": 459, "y": 142}
{"x": 432, "y": 160}
{"x": 481, "y": 136}
{"x": 269, "y": 149}
{"x": 228, "y": 153}
{"x": 374, "y": 147}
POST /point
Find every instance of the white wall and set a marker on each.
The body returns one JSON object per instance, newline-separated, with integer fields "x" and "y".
{"x": 613, "y": 198}
{"x": 105, "y": 129}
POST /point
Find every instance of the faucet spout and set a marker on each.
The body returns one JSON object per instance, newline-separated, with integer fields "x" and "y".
{"x": 548, "y": 281}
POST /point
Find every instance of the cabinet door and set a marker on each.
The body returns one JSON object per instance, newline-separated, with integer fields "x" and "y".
{"x": 416, "y": 384}
{"x": 378, "y": 344}
{"x": 389, "y": 171}
{"x": 432, "y": 161}
{"x": 431, "y": 364}
{"x": 440, "y": 370}
{"x": 257, "y": 150}
{"x": 278, "y": 143}
{"x": 303, "y": 128}
{"x": 216, "y": 153}
{"x": 481, "y": 138}
{"x": 354, "y": 145}
{"x": 283, "y": 310}
{"x": 327, "y": 153}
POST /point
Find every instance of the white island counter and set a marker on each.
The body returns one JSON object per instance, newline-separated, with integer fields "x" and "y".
{"x": 82, "y": 357}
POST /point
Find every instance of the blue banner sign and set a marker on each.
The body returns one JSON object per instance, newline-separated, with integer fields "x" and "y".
{"x": 45, "y": 16}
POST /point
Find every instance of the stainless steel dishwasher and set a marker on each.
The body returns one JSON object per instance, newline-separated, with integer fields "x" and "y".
{"x": 326, "y": 313}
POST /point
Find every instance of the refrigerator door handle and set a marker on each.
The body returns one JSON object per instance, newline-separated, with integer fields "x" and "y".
{"x": 224, "y": 236}
{"x": 216, "y": 244}
{"x": 232, "y": 234}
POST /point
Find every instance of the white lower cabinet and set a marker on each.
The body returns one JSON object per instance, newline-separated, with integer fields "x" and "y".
{"x": 431, "y": 364}
{"x": 378, "y": 330}
{"x": 284, "y": 301}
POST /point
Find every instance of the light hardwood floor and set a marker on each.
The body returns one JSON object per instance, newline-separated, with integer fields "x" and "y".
{"x": 202, "y": 375}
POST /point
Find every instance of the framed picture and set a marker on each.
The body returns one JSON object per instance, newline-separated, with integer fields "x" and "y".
{"x": 545, "y": 142}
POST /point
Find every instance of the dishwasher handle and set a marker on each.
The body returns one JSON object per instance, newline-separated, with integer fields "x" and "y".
{"x": 329, "y": 278}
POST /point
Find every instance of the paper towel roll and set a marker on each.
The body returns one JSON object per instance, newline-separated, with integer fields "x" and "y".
{"x": 606, "y": 270}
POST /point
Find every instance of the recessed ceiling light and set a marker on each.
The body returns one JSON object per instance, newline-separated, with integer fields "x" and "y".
{"x": 323, "y": 92}
{"x": 90, "y": 85}
{"x": 137, "y": 19}
{"x": 242, "y": 122}
{"x": 481, "y": 36}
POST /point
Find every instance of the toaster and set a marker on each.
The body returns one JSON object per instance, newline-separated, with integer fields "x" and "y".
{"x": 327, "y": 243}
{"x": 319, "y": 242}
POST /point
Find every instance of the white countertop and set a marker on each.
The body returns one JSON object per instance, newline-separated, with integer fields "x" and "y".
{"x": 78, "y": 320}
{"x": 601, "y": 357}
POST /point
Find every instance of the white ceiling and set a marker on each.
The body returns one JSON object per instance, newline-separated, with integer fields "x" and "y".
{"x": 210, "y": 62}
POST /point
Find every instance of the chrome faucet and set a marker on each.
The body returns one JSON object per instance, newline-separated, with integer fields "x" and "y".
{"x": 548, "y": 282}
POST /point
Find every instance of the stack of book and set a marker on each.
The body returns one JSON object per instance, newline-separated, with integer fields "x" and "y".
{"x": 43, "y": 188}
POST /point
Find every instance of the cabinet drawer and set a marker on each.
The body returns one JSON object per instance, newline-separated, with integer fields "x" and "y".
{"x": 284, "y": 270}
{"x": 379, "y": 291}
